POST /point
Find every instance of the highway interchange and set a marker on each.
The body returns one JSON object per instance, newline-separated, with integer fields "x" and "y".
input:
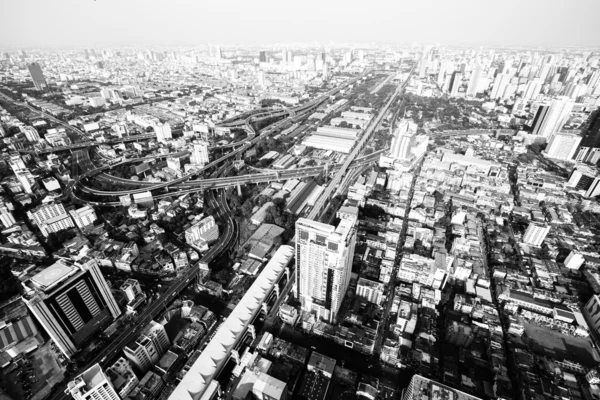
{"x": 215, "y": 198}
{"x": 154, "y": 309}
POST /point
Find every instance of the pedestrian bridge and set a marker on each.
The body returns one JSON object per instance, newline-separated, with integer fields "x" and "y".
{"x": 199, "y": 382}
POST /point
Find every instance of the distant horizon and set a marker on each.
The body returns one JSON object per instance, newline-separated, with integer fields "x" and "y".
{"x": 457, "y": 23}
{"x": 275, "y": 47}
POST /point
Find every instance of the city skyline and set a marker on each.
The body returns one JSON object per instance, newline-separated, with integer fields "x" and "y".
{"x": 465, "y": 22}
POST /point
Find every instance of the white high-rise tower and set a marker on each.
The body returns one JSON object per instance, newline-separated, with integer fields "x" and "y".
{"x": 324, "y": 256}
{"x": 93, "y": 384}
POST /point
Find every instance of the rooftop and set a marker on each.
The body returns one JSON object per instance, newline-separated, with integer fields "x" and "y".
{"x": 53, "y": 275}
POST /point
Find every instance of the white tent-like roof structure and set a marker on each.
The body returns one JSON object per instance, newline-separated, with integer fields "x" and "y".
{"x": 200, "y": 376}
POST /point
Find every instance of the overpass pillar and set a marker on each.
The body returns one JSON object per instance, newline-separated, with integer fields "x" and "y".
{"x": 239, "y": 190}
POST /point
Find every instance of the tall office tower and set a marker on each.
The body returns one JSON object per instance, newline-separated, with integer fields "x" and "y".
{"x": 84, "y": 216}
{"x": 72, "y": 302}
{"x": 421, "y": 388}
{"x": 533, "y": 89}
{"x": 423, "y": 65}
{"x": 7, "y": 219}
{"x": 37, "y": 76}
{"x": 325, "y": 71}
{"x": 200, "y": 153}
{"x": 16, "y": 163}
{"x": 403, "y": 140}
{"x": 540, "y": 114}
{"x": 218, "y": 53}
{"x": 262, "y": 57}
{"x": 31, "y": 133}
{"x": 455, "y": 83}
{"x": 284, "y": 56}
{"x": 441, "y": 74}
{"x": 204, "y": 231}
{"x": 576, "y": 91}
{"x": 290, "y": 57}
{"x": 148, "y": 348}
{"x": 555, "y": 117}
{"x": 589, "y": 148}
{"x": 535, "y": 234}
{"x": 592, "y": 80}
{"x": 122, "y": 377}
{"x": 26, "y": 180}
{"x": 324, "y": 256}
{"x": 562, "y": 146}
{"x": 499, "y": 86}
{"x": 583, "y": 178}
{"x": 93, "y": 384}
{"x": 261, "y": 78}
{"x": 594, "y": 189}
{"x": 474, "y": 85}
{"x": 163, "y": 132}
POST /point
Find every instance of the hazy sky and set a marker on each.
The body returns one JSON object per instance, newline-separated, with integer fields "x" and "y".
{"x": 32, "y": 23}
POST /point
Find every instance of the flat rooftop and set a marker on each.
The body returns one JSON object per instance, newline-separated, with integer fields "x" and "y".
{"x": 52, "y": 275}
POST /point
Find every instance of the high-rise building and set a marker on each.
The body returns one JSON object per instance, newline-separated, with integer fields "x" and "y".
{"x": 474, "y": 85}
{"x": 26, "y": 180}
{"x": 93, "y": 384}
{"x": 582, "y": 177}
{"x": 591, "y": 313}
{"x": 535, "y": 234}
{"x": 261, "y": 78}
{"x": 16, "y": 163}
{"x": 540, "y": 114}
{"x": 163, "y": 132}
{"x": 31, "y": 133}
{"x": 200, "y": 153}
{"x": 533, "y": 89}
{"x": 562, "y": 146}
{"x": 84, "y": 216}
{"x": 499, "y": 87}
{"x": 148, "y": 348}
{"x": 7, "y": 219}
{"x": 421, "y": 388}
{"x": 268, "y": 388}
{"x": 455, "y": 83}
{"x": 71, "y": 302}
{"x": 589, "y": 148}
{"x": 131, "y": 289}
{"x": 37, "y": 76}
{"x": 122, "y": 377}
{"x": 553, "y": 118}
{"x": 324, "y": 256}
{"x": 202, "y": 233}
{"x": 594, "y": 189}
{"x": 262, "y": 57}
{"x": 371, "y": 291}
{"x": 218, "y": 53}
{"x": 325, "y": 70}
{"x": 403, "y": 140}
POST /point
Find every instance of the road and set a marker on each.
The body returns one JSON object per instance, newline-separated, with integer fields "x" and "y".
{"x": 358, "y": 147}
{"x": 114, "y": 348}
{"x": 397, "y": 261}
{"x": 266, "y": 132}
{"x": 214, "y": 183}
{"x": 45, "y": 115}
{"x": 131, "y": 182}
